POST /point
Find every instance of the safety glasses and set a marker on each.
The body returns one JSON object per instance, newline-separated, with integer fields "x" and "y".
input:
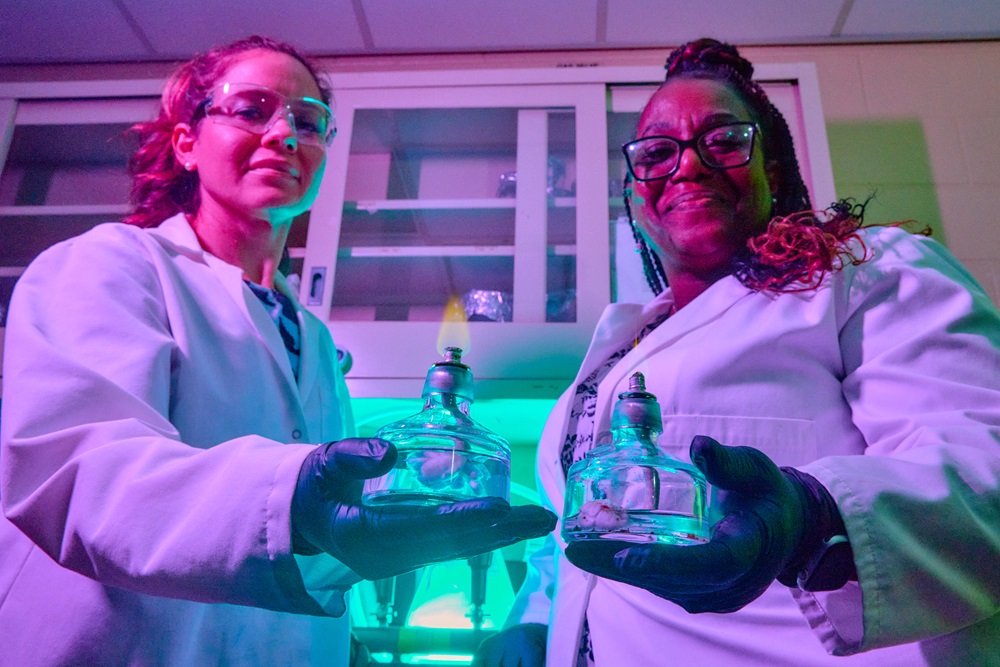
{"x": 721, "y": 147}
{"x": 256, "y": 109}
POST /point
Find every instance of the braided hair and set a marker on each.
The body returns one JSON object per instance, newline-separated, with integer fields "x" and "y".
{"x": 710, "y": 59}
{"x": 652, "y": 267}
{"x": 800, "y": 245}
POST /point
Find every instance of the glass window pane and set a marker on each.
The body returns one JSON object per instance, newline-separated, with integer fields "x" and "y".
{"x": 561, "y": 234}
{"x": 431, "y": 212}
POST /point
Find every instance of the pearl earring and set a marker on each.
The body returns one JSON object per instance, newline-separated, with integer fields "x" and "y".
{"x": 187, "y": 166}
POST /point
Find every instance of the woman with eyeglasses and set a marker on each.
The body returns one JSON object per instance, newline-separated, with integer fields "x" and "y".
{"x": 165, "y": 499}
{"x": 839, "y": 387}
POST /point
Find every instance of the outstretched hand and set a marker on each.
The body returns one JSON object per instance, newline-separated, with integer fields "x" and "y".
{"x": 378, "y": 542}
{"x": 772, "y": 520}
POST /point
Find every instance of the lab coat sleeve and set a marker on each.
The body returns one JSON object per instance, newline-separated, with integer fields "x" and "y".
{"x": 94, "y": 472}
{"x": 533, "y": 602}
{"x": 921, "y": 349}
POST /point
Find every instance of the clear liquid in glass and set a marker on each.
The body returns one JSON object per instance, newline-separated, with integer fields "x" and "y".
{"x": 433, "y": 475}
{"x": 444, "y": 456}
{"x": 631, "y": 490}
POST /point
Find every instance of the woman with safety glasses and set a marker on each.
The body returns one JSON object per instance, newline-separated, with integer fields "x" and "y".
{"x": 838, "y": 385}
{"x": 165, "y": 500}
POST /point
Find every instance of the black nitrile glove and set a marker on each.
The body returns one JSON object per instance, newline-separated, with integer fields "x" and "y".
{"x": 774, "y": 521}
{"x": 379, "y": 542}
{"x": 517, "y": 646}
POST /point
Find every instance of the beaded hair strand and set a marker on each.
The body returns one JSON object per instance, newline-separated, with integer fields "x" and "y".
{"x": 652, "y": 268}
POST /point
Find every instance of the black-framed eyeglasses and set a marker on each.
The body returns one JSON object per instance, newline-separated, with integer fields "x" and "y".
{"x": 256, "y": 109}
{"x": 720, "y": 147}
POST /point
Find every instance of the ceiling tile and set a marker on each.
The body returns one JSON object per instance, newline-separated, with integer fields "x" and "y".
{"x": 923, "y": 19}
{"x": 671, "y": 22}
{"x": 184, "y": 27}
{"x": 55, "y": 31}
{"x": 447, "y": 25}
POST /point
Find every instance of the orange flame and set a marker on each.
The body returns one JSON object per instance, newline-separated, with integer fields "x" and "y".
{"x": 643, "y": 365}
{"x": 454, "y": 330}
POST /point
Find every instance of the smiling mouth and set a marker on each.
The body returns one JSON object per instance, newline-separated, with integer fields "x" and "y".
{"x": 279, "y": 169}
{"x": 694, "y": 200}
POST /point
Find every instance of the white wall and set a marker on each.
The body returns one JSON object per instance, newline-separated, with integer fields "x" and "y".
{"x": 917, "y": 124}
{"x": 920, "y": 125}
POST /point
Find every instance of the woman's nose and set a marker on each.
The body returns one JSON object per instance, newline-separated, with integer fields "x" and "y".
{"x": 282, "y": 133}
{"x": 689, "y": 163}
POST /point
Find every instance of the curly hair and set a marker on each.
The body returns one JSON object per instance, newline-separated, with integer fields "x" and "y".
{"x": 160, "y": 186}
{"x": 800, "y": 245}
{"x": 796, "y": 251}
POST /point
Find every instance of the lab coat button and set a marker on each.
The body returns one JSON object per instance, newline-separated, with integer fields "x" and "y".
{"x": 296, "y": 434}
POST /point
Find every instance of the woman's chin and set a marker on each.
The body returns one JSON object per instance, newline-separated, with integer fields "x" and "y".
{"x": 701, "y": 256}
{"x": 705, "y": 243}
{"x": 281, "y": 210}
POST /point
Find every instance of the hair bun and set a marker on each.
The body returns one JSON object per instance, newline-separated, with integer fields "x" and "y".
{"x": 707, "y": 54}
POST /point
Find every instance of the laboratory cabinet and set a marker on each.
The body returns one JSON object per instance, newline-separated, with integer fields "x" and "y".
{"x": 462, "y": 215}
{"x": 63, "y": 169}
{"x": 497, "y": 195}
{"x": 63, "y": 153}
{"x": 476, "y": 208}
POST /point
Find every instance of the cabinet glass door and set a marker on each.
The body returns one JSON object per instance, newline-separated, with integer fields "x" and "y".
{"x": 431, "y": 213}
{"x": 64, "y": 172}
{"x": 440, "y": 201}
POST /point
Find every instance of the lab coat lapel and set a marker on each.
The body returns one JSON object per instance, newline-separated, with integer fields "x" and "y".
{"x": 178, "y": 232}
{"x": 701, "y": 312}
{"x": 262, "y": 324}
{"x": 618, "y": 323}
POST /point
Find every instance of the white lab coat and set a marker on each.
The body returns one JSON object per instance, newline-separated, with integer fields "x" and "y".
{"x": 897, "y": 360}
{"x": 148, "y": 409}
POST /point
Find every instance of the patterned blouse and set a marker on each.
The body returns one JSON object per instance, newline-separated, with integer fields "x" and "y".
{"x": 580, "y": 430}
{"x": 580, "y": 439}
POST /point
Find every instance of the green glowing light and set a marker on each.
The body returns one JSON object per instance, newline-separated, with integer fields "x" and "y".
{"x": 436, "y": 658}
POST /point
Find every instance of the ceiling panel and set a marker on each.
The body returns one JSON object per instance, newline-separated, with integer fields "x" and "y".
{"x": 658, "y": 22}
{"x": 316, "y": 26}
{"x": 54, "y": 31}
{"x": 446, "y": 25}
{"x": 60, "y": 31}
{"x": 923, "y": 19}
